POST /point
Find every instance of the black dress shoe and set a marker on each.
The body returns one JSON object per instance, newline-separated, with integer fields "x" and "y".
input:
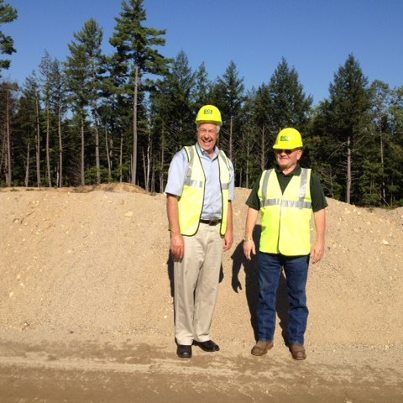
{"x": 208, "y": 346}
{"x": 184, "y": 351}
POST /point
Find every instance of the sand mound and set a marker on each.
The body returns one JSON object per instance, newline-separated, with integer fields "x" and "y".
{"x": 94, "y": 261}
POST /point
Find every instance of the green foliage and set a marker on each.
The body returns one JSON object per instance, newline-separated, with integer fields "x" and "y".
{"x": 228, "y": 94}
{"x": 202, "y": 88}
{"x": 370, "y": 179}
{"x": 84, "y": 66}
{"x": 349, "y": 100}
{"x": 290, "y": 105}
{"x": 344, "y": 125}
{"x": 356, "y": 133}
{"x": 7, "y": 14}
{"x": 91, "y": 176}
{"x": 136, "y": 44}
{"x": 174, "y": 105}
{"x": 138, "y": 62}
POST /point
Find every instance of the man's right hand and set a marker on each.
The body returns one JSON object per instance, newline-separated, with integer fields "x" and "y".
{"x": 249, "y": 249}
{"x": 177, "y": 246}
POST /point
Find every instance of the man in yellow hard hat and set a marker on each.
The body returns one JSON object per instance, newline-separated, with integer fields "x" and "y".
{"x": 200, "y": 189}
{"x": 286, "y": 197}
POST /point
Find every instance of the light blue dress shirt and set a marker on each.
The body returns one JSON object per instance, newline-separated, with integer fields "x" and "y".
{"x": 212, "y": 195}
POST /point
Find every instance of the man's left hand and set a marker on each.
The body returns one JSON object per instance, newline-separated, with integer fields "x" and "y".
{"x": 317, "y": 252}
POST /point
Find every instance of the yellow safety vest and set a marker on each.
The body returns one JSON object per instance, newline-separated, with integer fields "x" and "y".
{"x": 285, "y": 216}
{"x": 191, "y": 201}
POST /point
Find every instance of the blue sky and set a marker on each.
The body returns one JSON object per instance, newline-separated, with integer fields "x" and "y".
{"x": 315, "y": 36}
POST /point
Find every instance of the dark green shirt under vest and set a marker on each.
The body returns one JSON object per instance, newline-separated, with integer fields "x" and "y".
{"x": 318, "y": 197}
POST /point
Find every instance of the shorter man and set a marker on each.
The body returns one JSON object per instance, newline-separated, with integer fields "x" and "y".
{"x": 199, "y": 192}
{"x": 286, "y": 197}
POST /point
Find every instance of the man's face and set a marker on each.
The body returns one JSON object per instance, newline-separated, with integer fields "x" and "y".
{"x": 287, "y": 160}
{"x": 207, "y": 136}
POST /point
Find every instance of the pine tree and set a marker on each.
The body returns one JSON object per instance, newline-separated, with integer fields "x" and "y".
{"x": 58, "y": 103}
{"x": 7, "y": 14}
{"x": 83, "y": 69}
{"x": 114, "y": 115}
{"x": 322, "y": 151}
{"x": 248, "y": 165}
{"x": 28, "y": 120}
{"x": 55, "y": 104}
{"x": 7, "y": 112}
{"x": 202, "y": 88}
{"x": 290, "y": 105}
{"x": 394, "y": 150}
{"x": 46, "y": 84}
{"x": 349, "y": 118}
{"x": 263, "y": 106}
{"x": 136, "y": 52}
{"x": 381, "y": 100}
{"x": 228, "y": 95}
{"x": 173, "y": 112}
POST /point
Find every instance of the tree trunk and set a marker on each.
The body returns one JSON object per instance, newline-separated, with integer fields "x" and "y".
{"x": 263, "y": 154}
{"x": 121, "y": 158}
{"x": 97, "y": 163}
{"x": 38, "y": 145}
{"x": 3, "y": 153}
{"x": 59, "y": 132}
{"x": 82, "y": 152}
{"x": 147, "y": 173}
{"x": 134, "y": 157}
{"x": 383, "y": 187}
{"x": 152, "y": 187}
{"x": 230, "y": 137}
{"x": 247, "y": 164}
{"x": 162, "y": 161}
{"x": 27, "y": 166}
{"x": 47, "y": 147}
{"x": 348, "y": 186}
{"x": 108, "y": 157}
{"x": 8, "y": 139}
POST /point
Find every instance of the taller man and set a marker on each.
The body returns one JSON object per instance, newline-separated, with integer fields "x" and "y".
{"x": 199, "y": 190}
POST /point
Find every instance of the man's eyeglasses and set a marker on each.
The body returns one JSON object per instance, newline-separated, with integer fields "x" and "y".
{"x": 203, "y": 130}
{"x": 288, "y": 152}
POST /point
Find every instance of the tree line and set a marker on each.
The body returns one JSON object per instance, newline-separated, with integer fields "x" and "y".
{"x": 96, "y": 118}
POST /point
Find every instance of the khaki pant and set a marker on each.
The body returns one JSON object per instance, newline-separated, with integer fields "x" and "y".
{"x": 196, "y": 280}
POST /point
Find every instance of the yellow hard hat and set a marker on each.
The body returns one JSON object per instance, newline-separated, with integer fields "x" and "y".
{"x": 288, "y": 139}
{"x": 209, "y": 114}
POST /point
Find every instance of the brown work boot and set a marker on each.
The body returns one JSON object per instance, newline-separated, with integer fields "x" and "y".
{"x": 297, "y": 351}
{"x": 261, "y": 347}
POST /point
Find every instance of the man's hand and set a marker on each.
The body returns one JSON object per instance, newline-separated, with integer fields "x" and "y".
{"x": 228, "y": 240}
{"x": 317, "y": 252}
{"x": 320, "y": 225}
{"x": 249, "y": 248}
{"x": 177, "y": 246}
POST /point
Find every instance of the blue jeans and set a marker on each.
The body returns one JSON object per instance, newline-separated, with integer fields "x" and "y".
{"x": 296, "y": 273}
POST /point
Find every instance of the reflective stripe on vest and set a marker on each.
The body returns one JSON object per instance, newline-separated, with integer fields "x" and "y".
{"x": 191, "y": 201}
{"x": 285, "y": 217}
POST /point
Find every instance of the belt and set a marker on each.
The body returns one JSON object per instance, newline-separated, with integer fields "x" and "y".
{"x": 210, "y": 222}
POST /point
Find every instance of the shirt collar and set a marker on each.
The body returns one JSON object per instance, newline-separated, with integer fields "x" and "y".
{"x": 296, "y": 171}
{"x": 204, "y": 154}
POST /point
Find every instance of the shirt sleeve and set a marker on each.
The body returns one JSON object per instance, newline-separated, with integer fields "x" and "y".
{"x": 176, "y": 174}
{"x": 319, "y": 201}
{"x": 231, "y": 193}
{"x": 253, "y": 200}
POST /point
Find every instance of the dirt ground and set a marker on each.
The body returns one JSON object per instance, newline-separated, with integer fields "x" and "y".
{"x": 86, "y": 309}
